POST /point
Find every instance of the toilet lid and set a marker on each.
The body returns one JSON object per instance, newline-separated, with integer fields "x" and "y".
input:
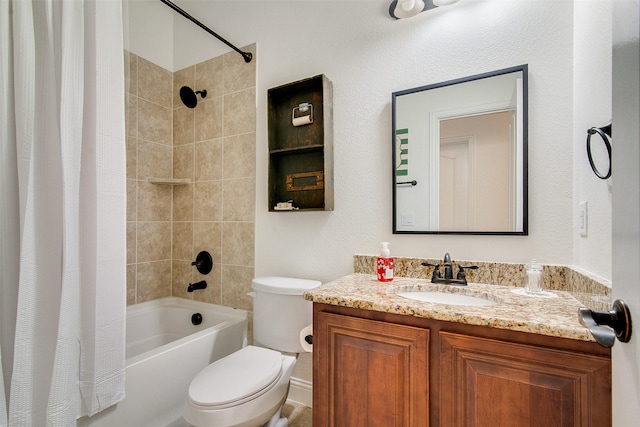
{"x": 234, "y": 377}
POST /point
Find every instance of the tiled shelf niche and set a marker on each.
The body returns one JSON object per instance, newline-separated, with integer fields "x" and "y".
{"x": 169, "y": 181}
{"x": 300, "y": 116}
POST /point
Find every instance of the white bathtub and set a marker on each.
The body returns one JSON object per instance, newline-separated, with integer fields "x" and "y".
{"x": 164, "y": 352}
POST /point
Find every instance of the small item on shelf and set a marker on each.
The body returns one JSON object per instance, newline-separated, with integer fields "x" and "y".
{"x": 305, "y": 181}
{"x": 384, "y": 264}
{"x": 302, "y": 114}
{"x": 285, "y": 206}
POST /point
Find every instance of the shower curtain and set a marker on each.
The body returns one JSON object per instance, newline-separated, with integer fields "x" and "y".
{"x": 62, "y": 210}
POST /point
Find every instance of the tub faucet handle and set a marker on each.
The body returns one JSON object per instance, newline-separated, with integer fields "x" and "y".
{"x": 203, "y": 262}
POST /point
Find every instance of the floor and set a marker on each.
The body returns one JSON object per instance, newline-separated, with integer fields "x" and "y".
{"x": 298, "y": 415}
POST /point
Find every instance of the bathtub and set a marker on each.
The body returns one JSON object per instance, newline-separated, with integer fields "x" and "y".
{"x": 164, "y": 353}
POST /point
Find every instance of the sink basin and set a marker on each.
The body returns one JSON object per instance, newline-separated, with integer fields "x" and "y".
{"x": 446, "y": 298}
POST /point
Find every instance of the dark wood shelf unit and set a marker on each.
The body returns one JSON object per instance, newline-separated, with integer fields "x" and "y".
{"x": 301, "y": 157}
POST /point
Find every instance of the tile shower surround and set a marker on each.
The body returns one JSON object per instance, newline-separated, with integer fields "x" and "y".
{"x": 213, "y": 145}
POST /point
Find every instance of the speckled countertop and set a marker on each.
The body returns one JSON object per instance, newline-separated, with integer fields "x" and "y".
{"x": 554, "y": 314}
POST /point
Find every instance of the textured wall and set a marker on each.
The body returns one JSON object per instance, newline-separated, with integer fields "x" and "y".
{"x": 592, "y": 107}
{"x": 368, "y": 56}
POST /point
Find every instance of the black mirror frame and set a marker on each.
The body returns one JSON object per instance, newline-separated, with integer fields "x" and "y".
{"x": 525, "y": 150}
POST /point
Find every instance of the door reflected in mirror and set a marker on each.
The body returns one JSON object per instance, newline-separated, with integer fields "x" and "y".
{"x": 460, "y": 156}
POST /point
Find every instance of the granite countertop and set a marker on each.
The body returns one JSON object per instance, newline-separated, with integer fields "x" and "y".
{"x": 554, "y": 313}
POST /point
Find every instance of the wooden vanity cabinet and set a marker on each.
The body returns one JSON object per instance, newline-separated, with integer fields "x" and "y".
{"x": 372, "y": 373}
{"x": 380, "y": 369}
{"x": 486, "y": 382}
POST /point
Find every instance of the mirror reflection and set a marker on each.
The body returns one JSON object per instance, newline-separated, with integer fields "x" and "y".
{"x": 460, "y": 155}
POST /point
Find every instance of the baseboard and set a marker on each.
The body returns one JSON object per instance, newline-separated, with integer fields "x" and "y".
{"x": 300, "y": 391}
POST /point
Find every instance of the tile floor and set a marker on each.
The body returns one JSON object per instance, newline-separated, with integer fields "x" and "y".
{"x": 298, "y": 415}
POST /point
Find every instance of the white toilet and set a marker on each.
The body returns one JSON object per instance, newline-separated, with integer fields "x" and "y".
{"x": 249, "y": 387}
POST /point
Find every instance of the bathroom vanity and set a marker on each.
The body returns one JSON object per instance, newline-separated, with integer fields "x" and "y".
{"x": 384, "y": 360}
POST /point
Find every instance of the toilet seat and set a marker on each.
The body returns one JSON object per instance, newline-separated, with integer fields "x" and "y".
{"x": 236, "y": 379}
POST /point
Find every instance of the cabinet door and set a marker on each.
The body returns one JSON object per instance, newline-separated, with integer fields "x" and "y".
{"x": 369, "y": 373}
{"x": 486, "y": 382}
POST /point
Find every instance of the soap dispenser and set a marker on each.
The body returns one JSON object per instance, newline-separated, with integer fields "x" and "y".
{"x": 384, "y": 264}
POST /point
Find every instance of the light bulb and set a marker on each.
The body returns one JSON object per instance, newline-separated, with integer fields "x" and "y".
{"x": 408, "y": 5}
{"x": 408, "y": 8}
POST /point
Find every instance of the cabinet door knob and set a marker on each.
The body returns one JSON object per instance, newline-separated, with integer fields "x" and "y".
{"x": 606, "y": 326}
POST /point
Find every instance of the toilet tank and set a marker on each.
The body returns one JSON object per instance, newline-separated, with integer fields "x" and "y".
{"x": 280, "y": 312}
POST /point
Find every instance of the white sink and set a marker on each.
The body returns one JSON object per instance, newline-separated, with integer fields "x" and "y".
{"x": 446, "y": 298}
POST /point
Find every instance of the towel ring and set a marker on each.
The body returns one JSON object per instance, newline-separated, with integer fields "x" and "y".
{"x": 603, "y": 132}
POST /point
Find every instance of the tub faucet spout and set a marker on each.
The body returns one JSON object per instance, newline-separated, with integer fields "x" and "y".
{"x": 198, "y": 285}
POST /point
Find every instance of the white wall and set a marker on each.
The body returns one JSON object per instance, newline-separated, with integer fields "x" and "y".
{"x": 592, "y": 107}
{"x": 148, "y": 31}
{"x": 368, "y": 56}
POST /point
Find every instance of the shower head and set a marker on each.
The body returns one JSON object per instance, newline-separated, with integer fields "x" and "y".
{"x": 189, "y": 98}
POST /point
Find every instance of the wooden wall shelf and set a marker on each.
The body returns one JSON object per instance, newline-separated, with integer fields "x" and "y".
{"x": 301, "y": 156}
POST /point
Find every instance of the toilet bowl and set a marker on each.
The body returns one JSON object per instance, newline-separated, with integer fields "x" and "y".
{"x": 244, "y": 389}
{"x": 249, "y": 387}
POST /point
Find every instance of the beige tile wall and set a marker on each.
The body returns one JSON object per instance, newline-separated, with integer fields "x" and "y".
{"x": 213, "y": 145}
{"x": 148, "y": 118}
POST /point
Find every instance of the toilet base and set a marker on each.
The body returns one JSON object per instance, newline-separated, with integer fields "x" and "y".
{"x": 276, "y": 420}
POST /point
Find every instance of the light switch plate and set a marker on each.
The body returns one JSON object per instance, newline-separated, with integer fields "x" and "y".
{"x": 583, "y": 218}
{"x": 406, "y": 218}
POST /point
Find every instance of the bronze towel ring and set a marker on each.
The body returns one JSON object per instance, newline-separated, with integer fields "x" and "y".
{"x": 605, "y": 133}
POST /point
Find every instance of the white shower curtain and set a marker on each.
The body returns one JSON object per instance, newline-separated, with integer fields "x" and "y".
{"x": 62, "y": 210}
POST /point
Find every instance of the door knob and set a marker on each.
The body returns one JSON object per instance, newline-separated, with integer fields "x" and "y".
{"x": 606, "y": 326}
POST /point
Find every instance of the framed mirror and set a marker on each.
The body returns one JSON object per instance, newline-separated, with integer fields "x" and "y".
{"x": 460, "y": 156}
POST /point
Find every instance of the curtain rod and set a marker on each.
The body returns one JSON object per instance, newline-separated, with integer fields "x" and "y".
{"x": 246, "y": 55}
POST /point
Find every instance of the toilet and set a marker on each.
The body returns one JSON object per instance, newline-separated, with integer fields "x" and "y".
{"x": 249, "y": 387}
